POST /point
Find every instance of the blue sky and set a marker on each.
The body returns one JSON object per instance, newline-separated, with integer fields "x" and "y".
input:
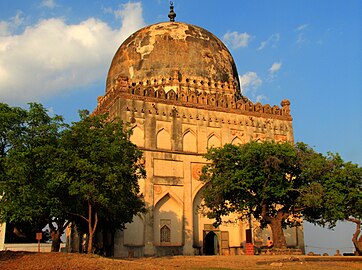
{"x": 57, "y": 52}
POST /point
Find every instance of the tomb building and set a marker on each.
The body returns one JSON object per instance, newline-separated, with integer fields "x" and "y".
{"x": 178, "y": 87}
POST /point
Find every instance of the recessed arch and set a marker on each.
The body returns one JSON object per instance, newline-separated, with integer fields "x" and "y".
{"x": 213, "y": 141}
{"x": 168, "y": 194}
{"x": 138, "y": 136}
{"x": 189, "y": 141}
{"x": 163, "y": 140}
{"x": 165, "y": 233}
{"x": 236, "y": 141}
{"x": 168, "y": 217}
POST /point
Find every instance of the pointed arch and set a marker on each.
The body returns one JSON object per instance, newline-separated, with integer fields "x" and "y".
{"x": 276, "y": 110}
{"x": 213, "y": 141}
{"x": 183, "y": 96}
{"x": 249, "y": 106}
{"x": 138, "y": 136}
{"x": 168, "y": 194}
{"x": 236, "y": 141}
{"x": 211, "y": 99}
{"x": 199, "y": 219}
{"x": 189, "y": 141}
{"x": 163, "y": 140}
{"x": 149, "y": 92}
{"x": 240, "y": 105}
{"x": 171, "y": 95}
{"x": 165, "y": 233}
{"x": 267, "y": 108}
{"x": 258, "y": 107}
{"x": 202, "y": 99}
{"x": 161, "y": 93}
{"x": 168, "y": 221}
{"x": 222, "y": 102}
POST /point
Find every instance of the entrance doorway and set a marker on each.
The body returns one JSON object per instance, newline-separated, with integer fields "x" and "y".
{"x": 211, "y": 244}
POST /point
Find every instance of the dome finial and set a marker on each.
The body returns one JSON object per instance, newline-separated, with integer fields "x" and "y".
{"x": 172, "y": 14}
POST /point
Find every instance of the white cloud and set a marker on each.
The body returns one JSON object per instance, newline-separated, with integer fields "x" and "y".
{"x": 48, "y": 4}
{"x": 236, "y": 40}
{"x": 52, "y": 57}
{"x": 261, "y": 98}
{"x": 301, "y": 36}
{"x": 17, "y": 20}
{"x": 262, "y": 45}
{"x": 300, "y": 39}
{"x": 130, "y": 23}
{"x": 249, "y": 82}
{"x": 6, "y": 27}
{"x": 276, "y": 66}
{"x": 273, "y": 39}
{"x": 301, "y": 27}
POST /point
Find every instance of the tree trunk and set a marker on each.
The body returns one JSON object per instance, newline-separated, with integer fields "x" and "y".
{"x": 55, "y": 236}
{"x": 55, "y": 241}
{"x": 357, "y": 242}
{"x": 91, "y": 228}
{"x": 276, "y": 226}
{"x": 277, "y": 231}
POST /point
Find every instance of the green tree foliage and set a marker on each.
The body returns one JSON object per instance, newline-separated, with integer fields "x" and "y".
{"x": 342, "y": 197}
{"x": 54, "y": 174}
{"x": 103, "y": 168}
{"x": 276, "y": 183}
{"x": 11, "y": 120}
{"x": 29, "y": 143}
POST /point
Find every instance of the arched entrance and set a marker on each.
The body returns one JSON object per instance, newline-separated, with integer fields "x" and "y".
{"x": 211, "y": 244}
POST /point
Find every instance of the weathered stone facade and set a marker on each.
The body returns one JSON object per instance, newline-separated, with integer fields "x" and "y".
{"x": 178, "y": 86}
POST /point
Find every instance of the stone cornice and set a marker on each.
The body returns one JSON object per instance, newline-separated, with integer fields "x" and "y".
{"x": 205, "y": 99}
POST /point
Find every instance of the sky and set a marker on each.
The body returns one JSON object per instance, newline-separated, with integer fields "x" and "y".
{"x": 58, "y": 52}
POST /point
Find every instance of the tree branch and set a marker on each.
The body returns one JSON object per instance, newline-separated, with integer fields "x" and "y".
{"x": 358, "y": 228}
{"x": 264, "y": 213}
{"x": 299, "y": 209}
{"x": 78, "y": 215}
{"x": 95, "y": 222}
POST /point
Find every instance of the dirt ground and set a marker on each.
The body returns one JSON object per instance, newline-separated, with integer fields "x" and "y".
{"x": 65, "y": 261}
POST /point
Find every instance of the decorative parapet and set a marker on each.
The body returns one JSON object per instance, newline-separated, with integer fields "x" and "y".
{"x": 188, "y": 92}
{"x": 177, "y": 81}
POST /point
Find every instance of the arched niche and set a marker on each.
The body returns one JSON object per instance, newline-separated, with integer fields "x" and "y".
{"x": 163, "y": 140}
{"x": 138, "y": 136}
{"x": 168, "y": 212}
{"x": 202, "y": 225}
{"x": 189, "y": 142}
{"x": 236, "y": 141}
{"x": 213, "y": 141}
{"x": 199, "y": 219}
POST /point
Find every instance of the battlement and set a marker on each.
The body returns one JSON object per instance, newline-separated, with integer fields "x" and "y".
{"x": 192, "y": 92}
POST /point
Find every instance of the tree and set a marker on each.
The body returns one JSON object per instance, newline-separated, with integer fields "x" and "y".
{"x": 342, "y": 198}
{"x": 55, "y": 174}
{"x": 273, "y": 182}
{"x": 11, "y": 120}
{"x": 102, "y": 168}
{"x": 29, "y": 143}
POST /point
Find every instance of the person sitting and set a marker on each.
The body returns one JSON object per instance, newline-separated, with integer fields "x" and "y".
{"x": 269, "y": 243}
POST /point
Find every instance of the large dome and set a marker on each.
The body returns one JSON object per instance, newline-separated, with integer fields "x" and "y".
{"x": 169, "y": 49}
